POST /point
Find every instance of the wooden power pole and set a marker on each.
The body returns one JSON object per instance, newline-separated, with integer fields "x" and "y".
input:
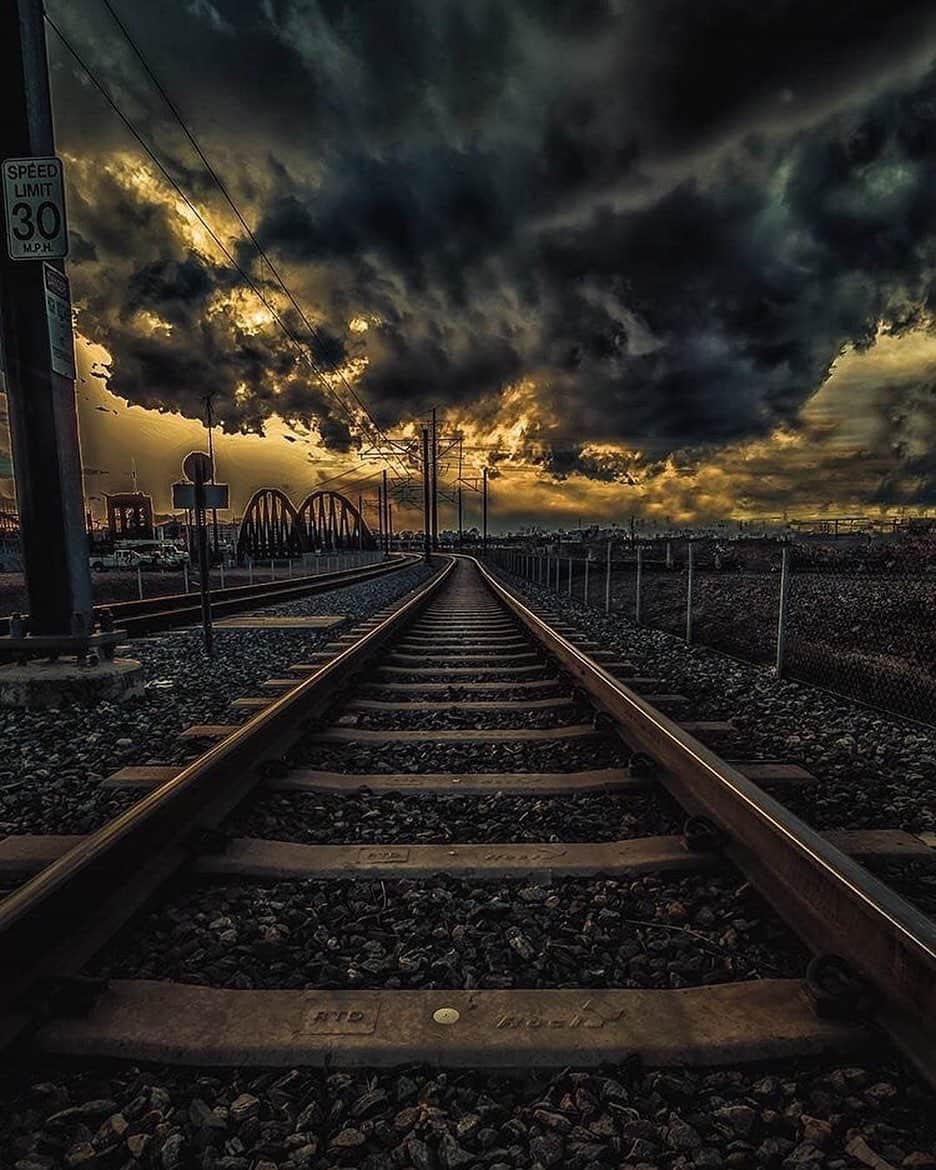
{"x": 37, "y": 353}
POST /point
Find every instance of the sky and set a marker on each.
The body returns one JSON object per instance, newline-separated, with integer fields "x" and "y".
{"x": 649, "y": 257}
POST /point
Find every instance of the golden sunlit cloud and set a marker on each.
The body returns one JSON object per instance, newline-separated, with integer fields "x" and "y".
{"x": 514, "y": 434}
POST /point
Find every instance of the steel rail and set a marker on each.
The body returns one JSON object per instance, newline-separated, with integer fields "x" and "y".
{"x": 173, "y": 609}
{"x": 52, "y": 924}
{"x": 831, "y": 901}
{"x": 246, "y": 598}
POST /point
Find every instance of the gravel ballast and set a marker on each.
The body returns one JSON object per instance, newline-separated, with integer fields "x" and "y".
{"x": 823, "y": 1116}
{"x": 454, "y": 719}
{"x": 54, "y": 760}
{"x": 369, "y": 818}
{"x": 444, "y": 933}
{"x": 548, "y": 755}
{"x": 874, "y": 770}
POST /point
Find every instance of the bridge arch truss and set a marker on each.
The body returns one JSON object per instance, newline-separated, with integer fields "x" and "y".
{"x": 272, "y": 528}
{"x": 330, "y": 521}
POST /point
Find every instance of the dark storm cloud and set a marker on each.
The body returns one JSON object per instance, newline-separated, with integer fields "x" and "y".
{"x": 671, "y": 215}
{"x": 562, "y": 460}
{"x": 165, "y": 314}
{"x": 80, "y": 250}
{"x": 409, "y": 372}
{"x": 904, "y": 445}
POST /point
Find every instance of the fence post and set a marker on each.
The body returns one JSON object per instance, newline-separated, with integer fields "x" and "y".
{"x": 638, "y": 586}
{"x": 669, "y": 554}
{"x": 782, "y": 607}
{"x": 570, "y": 576}
{"x": 250, "y": 570}
{"x": 608, "y": 580}
{"x": 585, "y": 586}
{"x": 185, "y": 580}
{"x": 690, "y": 581}
{"x": 140, "y": 582}
{"x": 221, "y": 567}
{"x": 290, "y": 566}
{"x": 272, "y": 569}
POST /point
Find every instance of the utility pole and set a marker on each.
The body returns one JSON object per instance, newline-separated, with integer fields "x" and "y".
{"x": 427, "y": 500}
{"x": 461, "y": 514}
{"x": 484, "y": 509}
{"x": 43, "y": 418}
{"x": 214, "y": 511}
{"x": 435, "y": 481}
{"x": 385, "y": 524}
{"x": 200, "y": 469}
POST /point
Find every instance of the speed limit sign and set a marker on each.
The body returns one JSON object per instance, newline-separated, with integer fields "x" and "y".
{"x": 34, "y": 208}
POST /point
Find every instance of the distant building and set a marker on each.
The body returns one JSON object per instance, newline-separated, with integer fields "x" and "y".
{"x": 130, "y": 516}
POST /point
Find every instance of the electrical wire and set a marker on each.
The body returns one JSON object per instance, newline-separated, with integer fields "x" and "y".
{"x": 343, "y": 475}
{"x": 251, "y": 283}
{"x": 196, "y": 146}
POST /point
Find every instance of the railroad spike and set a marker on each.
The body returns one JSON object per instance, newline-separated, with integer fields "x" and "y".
{"x": 641, "y": 764}
{"x": 703, "y": 836}
{"x": 837, "y": 990}
{"x": 65, "y": 995}
{"x": 603, "y": 722}
{"x": 273, "y": 769}
{"x": 209, "y": 840}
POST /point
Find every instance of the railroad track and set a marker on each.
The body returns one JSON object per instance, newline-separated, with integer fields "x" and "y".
{"x": 171, "y": 611}
{"x": 455, "y": 693}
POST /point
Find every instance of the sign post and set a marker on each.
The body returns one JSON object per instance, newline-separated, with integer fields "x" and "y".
{"x": 35, "y": 328}
{"x": 199, "y": 495}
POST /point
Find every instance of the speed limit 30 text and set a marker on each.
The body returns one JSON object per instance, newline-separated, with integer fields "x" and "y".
{"x": 35, "y": 208}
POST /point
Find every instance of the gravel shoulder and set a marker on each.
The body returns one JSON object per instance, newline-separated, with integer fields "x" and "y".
{"x": 874, "y": 769}
{"x": 51, "y": 762}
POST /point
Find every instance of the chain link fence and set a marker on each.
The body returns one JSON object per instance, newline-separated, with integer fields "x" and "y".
{"x": 856, "y": 616}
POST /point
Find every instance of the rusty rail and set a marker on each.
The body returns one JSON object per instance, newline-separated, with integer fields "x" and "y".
{"x": 168, "y": 610}
{"x": 832, "y": 902}
{"x": 52, "y": 924}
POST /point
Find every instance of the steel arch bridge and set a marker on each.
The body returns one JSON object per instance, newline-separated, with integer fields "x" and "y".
{"x": 330, "y": 520}
{"x": 272, "y": 527}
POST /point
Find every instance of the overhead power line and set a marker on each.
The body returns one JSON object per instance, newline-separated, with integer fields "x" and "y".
{"x": 111, "y": 101}
{"x": 301, "y": 347}
{"x": 222, "y": 187}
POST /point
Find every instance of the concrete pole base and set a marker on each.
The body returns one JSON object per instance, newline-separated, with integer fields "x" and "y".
{"x": 67, "y": 684}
